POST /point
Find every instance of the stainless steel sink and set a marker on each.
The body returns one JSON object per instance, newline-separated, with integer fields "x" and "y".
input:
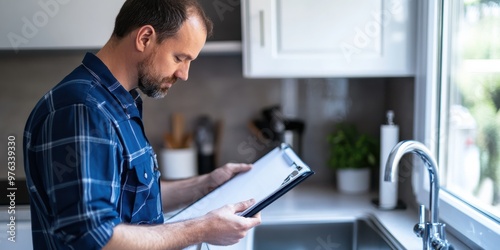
{"x": 342, "y": 233}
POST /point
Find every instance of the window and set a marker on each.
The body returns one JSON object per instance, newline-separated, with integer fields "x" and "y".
{"x": 470, "y": 103}
{"x": 458, "y": 113}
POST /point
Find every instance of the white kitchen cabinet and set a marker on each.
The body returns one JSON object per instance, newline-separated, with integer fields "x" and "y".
{"x": 328, "y": 38}
{"x": 56, "y": 24}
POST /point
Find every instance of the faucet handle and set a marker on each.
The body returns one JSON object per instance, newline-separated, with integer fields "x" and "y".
{"x": 419, "y": 228}
{"x": 422, "y": 214}
{"x": 438, "y": 240}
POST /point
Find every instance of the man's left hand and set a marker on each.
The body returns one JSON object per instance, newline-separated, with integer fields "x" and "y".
{"x": 226, "y": 172}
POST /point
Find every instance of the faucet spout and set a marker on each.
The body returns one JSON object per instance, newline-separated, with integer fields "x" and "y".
{"x": 432, "y": 233}
{"x": 421, "y": 150}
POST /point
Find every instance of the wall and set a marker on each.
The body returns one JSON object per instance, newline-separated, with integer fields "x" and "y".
{"x": 216, "y": 88}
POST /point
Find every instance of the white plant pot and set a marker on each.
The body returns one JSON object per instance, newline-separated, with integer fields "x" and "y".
{"x": 353, "y": 181}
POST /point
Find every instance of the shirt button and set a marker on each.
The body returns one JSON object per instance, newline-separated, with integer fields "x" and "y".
{"x": 145, "y": 175}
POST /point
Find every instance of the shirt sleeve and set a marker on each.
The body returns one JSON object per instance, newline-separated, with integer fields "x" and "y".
{"x": 79, "y": 162}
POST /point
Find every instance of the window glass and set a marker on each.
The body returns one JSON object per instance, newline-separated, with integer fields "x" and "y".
{"x": 470, "y": 115}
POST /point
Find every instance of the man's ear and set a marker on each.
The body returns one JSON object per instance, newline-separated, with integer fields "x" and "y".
{"x": 145, "y": 37}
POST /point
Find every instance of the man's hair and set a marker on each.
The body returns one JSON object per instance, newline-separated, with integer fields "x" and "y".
{"x": 166, "y": 16}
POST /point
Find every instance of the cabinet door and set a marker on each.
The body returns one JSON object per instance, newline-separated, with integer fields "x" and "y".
{"x": 328, "y": 38}
{"x": 56, "y": 24}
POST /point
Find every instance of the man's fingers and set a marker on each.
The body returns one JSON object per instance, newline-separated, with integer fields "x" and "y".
{"x": 249, "y": 221}
{"x": 239, "y": 167}
{"x": 242, "y": 206}
{"x": 223, "y": 174}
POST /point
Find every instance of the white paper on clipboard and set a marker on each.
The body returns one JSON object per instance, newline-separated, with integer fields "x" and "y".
{"x": 271, "y": 176}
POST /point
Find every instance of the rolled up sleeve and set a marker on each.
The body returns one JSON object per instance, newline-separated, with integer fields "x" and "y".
{"x": 77, "y": 153}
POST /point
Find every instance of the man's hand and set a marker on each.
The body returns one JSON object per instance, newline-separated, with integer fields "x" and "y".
{"x": 227, "y": 228}
{"x": 219, "y": 227}
{"x": 226, "y": 172}
{"x": 181, "y": 193}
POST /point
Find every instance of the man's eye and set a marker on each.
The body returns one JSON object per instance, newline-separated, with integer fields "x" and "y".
{"x": 177, "y": 59}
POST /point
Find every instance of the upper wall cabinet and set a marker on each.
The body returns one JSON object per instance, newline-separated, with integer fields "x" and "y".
{"x": 226, "y": 17}
{"x": 56, "y": 24}
{"x": 328, "y": 38}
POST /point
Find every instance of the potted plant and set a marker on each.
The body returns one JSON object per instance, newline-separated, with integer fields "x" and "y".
{"x": 352, "y": 155}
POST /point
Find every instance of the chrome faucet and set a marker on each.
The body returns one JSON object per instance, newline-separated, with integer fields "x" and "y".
{"x": 432, "y": 233}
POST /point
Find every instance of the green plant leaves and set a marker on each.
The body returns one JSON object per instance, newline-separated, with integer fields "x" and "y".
{"x": 351, "y": 149}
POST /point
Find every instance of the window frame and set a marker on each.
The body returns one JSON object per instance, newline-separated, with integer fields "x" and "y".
{"x": 478, "y": 228}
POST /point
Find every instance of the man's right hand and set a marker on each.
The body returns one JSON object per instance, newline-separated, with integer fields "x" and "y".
{"x": 225, "y": 227}
{"x": 219, "y": 227}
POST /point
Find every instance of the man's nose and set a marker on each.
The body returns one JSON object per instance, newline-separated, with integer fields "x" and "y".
{"x": 183, "y": 71}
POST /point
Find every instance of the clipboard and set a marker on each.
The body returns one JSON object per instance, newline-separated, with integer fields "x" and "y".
{"x": 271, "y": 177}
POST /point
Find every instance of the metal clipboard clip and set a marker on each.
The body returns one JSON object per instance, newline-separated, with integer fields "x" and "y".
{"x": 287, "y": 150}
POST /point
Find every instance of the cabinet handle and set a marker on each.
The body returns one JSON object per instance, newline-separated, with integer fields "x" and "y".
{"x": 262, "y": 34}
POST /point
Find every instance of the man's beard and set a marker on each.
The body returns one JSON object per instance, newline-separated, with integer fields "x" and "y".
{"x": 150, "y": 83}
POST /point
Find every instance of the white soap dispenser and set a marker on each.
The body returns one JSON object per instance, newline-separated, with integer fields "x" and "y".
{"x": 389, "y": 137}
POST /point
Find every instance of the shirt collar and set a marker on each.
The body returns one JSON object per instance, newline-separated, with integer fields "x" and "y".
{"x": 131, "y": 102}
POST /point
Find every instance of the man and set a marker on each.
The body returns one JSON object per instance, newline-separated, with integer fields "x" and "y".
{"x": 92, "y": 175}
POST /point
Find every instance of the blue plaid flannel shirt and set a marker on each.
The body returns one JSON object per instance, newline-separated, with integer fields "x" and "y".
{"x": 88, "y": 163}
